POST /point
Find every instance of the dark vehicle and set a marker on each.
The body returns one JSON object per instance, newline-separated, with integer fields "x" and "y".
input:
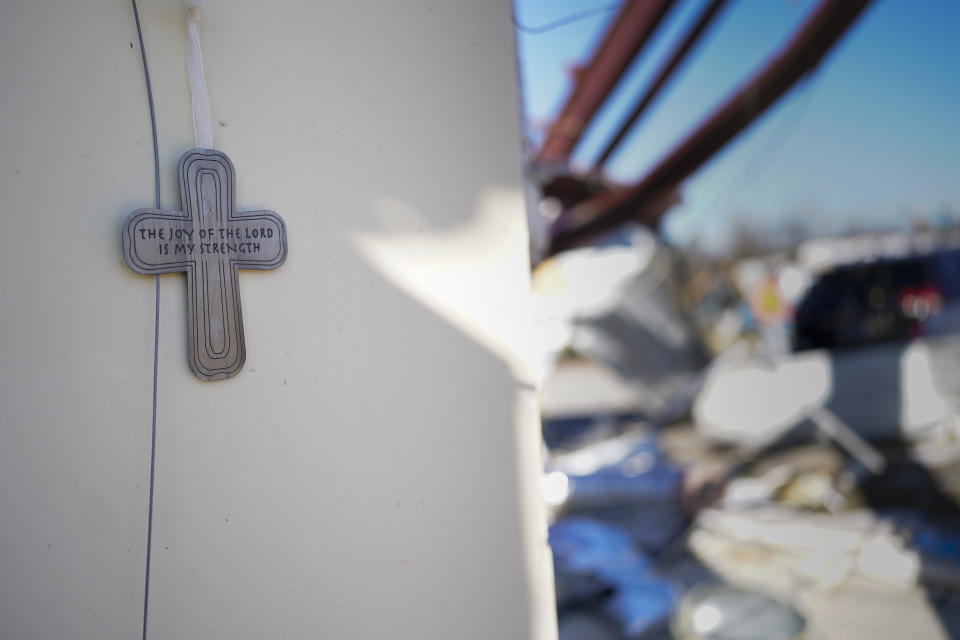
{"x": 881, "y": 301}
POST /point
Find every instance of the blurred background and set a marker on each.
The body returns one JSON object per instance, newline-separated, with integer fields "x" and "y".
{"x": 745, "y": 241}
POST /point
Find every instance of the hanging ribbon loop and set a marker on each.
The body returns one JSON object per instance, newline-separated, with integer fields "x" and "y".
{"x": 200, "y": 101}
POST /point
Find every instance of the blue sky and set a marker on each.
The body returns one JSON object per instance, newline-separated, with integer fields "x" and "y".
{"x": 870, "y": 139}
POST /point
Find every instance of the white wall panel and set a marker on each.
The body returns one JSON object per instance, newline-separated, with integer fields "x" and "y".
{"x": 373, "y": 471}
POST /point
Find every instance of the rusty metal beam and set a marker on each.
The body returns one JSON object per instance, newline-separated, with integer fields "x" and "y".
{"x": 680, "y": 53}
{"x": 629, "y": 31}
{"x": 801, "y": 55}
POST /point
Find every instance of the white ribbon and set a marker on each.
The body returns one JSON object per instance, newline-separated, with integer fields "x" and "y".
{"x": 202, "y": 118}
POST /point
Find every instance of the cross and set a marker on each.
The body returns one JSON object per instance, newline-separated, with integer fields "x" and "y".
{"x": 211, "y": 241}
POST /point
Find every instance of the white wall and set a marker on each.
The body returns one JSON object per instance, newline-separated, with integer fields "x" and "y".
{"x": 373, "y": 472}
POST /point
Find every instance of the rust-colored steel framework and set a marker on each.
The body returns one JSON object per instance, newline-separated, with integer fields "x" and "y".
{"x": 676, "y": 58}
{"x": 629, "y": 32}
{"x": 645, "y": 200}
